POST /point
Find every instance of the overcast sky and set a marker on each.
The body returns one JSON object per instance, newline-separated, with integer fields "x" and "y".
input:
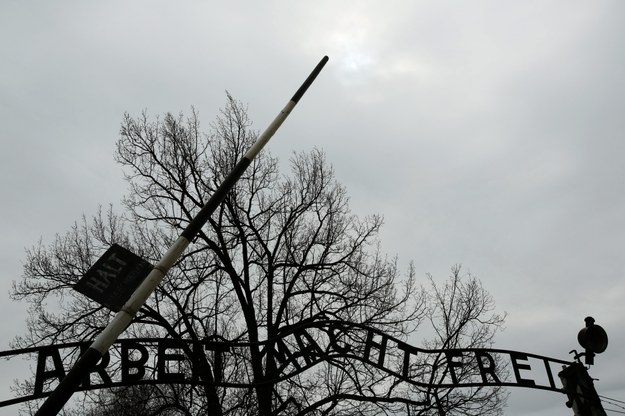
{"x": 488, "y": 133}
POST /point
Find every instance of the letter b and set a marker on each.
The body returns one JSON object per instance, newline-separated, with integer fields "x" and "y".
{"x": 128, "y": 363}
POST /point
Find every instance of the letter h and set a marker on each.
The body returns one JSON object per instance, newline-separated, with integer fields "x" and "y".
{"x": 380, "y": 346}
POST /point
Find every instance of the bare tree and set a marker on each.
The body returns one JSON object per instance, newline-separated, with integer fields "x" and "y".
{"x": 283, "y": 248}
{"x": 461, "y": 314}
{"x": 138, "y": 400}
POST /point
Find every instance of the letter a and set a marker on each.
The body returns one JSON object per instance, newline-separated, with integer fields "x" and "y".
{"x": 42, "y": 374}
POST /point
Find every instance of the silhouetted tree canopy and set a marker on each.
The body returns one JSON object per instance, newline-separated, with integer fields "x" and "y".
{"x": 284, "y": 247}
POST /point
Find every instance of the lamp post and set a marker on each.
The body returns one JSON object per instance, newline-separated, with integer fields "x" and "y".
{"x": 577, "y": 383}
{"x": 593, "y": 339}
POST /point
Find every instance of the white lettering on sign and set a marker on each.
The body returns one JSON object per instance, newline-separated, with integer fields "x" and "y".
{"x": 109, "y": 270}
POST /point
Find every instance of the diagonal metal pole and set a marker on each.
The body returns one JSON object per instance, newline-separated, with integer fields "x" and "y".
{"x": 57, "y": 399}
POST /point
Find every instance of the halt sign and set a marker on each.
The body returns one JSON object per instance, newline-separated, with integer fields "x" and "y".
{"x": 114, "y": 277}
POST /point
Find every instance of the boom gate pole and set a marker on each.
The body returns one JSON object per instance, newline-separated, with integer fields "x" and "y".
{"x": 55, "y": 402}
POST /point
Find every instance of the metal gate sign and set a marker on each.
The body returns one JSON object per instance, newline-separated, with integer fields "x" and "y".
{"x": 114, "y": 277}
{"x": 181, "y": 361}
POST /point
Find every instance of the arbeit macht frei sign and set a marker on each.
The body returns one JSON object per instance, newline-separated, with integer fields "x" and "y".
{"x": 164, "y": 361}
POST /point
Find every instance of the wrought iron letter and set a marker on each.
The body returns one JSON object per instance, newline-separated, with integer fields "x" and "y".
{"x": 43, "y": 374}
{"x": 128, "y": 362}
{"x": 516, "y": 367}
{"x": 479, "y": 356}
{"x": 451, "y": 364}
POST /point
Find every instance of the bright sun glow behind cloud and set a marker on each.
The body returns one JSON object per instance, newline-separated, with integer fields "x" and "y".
{"x": 355, "y": 61}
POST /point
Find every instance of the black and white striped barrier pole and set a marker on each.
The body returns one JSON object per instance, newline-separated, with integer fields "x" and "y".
{"x": 57, "y": 399}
